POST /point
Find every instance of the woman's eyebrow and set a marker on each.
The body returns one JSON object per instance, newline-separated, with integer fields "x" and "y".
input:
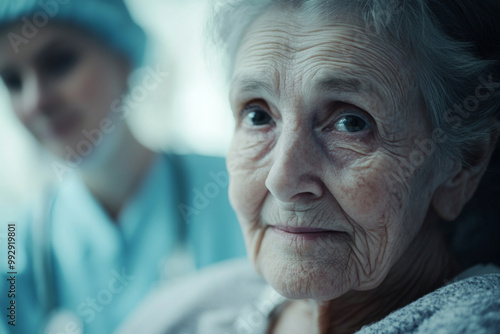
{"x": 349, "y": 85}
{"x": 47, "y": 50}
{"x": 6, "y": 70}
{"x": 44, "y": 52}
{"x": 246, "y": 83}
{"x": 250, "y": 84}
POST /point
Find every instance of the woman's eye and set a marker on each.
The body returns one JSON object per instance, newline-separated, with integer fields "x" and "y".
{"x": 61, "y": 63}
{"x": 12, "y": 81}
{"x": 351, "y": 123}
{"x": 258, "y": 117}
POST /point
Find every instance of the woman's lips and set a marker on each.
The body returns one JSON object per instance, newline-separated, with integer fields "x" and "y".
{"x": 298, "y": 230}
{"x": 306, "y": 233}
{"x": 64, "y": 126}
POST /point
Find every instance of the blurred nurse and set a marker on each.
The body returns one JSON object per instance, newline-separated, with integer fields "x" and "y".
{"x": 117, "y": 225}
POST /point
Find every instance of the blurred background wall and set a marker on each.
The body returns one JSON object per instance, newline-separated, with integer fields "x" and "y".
{"x": 188, "y": 112}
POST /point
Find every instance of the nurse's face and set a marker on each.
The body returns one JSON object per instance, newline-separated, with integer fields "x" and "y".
{"x": 62, "y": 83}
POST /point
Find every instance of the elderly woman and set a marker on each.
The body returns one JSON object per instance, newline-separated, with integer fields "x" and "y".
{"x": 362, "y": 130}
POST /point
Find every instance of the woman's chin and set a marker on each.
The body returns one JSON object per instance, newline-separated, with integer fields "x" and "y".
{"x": 295, "y": 284}
{"x": 299, "y": 277}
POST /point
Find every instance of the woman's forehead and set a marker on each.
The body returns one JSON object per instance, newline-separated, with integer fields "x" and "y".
{"x": 284, "y": 44}
{"x": 18, "y": 48}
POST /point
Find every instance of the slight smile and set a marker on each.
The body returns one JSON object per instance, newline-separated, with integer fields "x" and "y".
{"x": 305, "y": 233}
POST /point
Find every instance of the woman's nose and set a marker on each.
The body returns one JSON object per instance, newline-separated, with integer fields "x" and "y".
{"x": 295, "y": 172}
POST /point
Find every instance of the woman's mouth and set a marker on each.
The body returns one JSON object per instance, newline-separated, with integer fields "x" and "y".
{"x": 64, "y": 125}
{"x": 305, "y": 233}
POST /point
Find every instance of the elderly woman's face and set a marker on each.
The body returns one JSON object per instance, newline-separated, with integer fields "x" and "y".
{"x": 325, "y": 113}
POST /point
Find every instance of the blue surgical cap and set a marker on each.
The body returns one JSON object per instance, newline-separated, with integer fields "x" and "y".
{"x": 108, "y": 20}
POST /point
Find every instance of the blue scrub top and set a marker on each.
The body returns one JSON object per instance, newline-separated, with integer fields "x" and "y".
{"x": 104, "y": 268}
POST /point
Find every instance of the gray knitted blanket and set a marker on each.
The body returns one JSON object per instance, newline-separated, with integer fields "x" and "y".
{"x": 471, "y": 305}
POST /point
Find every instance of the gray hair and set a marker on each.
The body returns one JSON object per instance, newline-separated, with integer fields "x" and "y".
{"x": 450, "y": 46}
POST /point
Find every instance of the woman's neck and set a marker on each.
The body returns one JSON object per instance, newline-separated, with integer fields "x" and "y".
{"x": 116, "y": 177}
{"x": 425, "y": 266}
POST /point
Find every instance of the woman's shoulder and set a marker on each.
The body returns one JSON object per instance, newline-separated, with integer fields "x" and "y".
{"x": 207, "y": 302}
{"x": 470, "y": 305}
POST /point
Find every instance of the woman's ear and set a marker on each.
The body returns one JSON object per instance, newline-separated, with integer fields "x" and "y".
{"x": 452, "y": 195}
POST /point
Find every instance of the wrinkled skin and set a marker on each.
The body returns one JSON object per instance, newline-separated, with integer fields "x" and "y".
{"x": 323, "y": 122}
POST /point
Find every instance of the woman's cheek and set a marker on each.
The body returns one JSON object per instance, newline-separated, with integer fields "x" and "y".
{"x": 22, "y": 115}
{"x": 248, "y": 166}
{"x": 95, "y": 85}
{"x": 366, "y": 193}
{"x": 348, "y": 147}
